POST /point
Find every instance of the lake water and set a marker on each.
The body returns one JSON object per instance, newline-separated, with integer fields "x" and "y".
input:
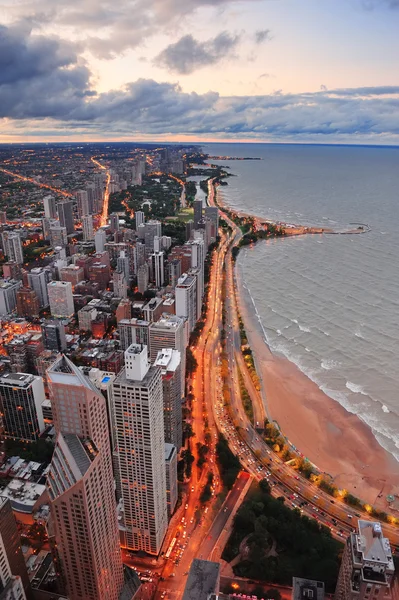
{"x": 329, "y": 303}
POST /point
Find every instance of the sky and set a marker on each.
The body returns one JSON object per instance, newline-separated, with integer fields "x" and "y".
{"x": 320, "y": 71}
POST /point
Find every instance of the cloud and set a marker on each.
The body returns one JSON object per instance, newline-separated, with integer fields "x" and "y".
{"x": 262, "y": 35}
{"x": 371, "y": 4}
{"x": 108, "y": 27}
{"x": 188, "y": 54}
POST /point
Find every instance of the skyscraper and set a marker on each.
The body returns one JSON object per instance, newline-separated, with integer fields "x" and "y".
{"x": 142, "y": 278}
{"x": 186, "y": 299}
{"x": 65, "y": 215}
{"x": 81, "y": 487}
{"x": 157, "y": 264}
{"x": 61, "y": 298}
{"x": 8, "y": 295}
{"x": 367, "y": 566}
{"x": 151, "y": 229}
{"x": 38, "y": 279}
{"x": 114, "y": 222}
{"x": 139, "y": 217}
{"x": 21, "y": 397}
{"x": 123, "y": 264}
{"x": 27, "y": 303}
{"x": 136, "y": 409}
{"x": 100, "y": 238}
{"x": 82, "y": 202}
{"x": 198, "y": 206}
{"x": 133, "y": 331}
{"x": 170, "y": 364}
{"x": 53, "y": 333}
{"x": 50, "y": 207}
{"x": 171, "y": 477}
{"x": 12, "y": 246}
{"x": 169, "y": 332}
{"x": 14, "y": 579}
{"x": 58, "y": 235}
{"x": 87, "y": 225}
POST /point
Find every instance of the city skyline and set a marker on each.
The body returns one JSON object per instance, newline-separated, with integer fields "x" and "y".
{"x": 212, "y": 70}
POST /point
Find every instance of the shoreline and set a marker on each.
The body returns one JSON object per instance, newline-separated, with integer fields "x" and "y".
{"x": 338, "y": 442}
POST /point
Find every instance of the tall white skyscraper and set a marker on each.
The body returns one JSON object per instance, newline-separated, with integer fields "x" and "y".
{"x": 61, "y": 298}
{"x": 186, "y": 299}
{"x": 87, "y": 224}
{"x": 100, "y": 238}
{"x": 12, "y": 246}
{"x": 136, "y": 408}
{"x": 157, "y": 264}
{"x": 38, "y": 279}
{"x": 50, "y": 207}
{"x": 169, "y": 332}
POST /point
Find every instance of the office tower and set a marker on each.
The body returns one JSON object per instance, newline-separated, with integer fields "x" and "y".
{"x": 151, "y": 229}
{"x": 169, "y": 332}
{"x": 123, "y": 264}
{"x": 198, "y": 206}
{"x": 50, "y": 207}
{"x": 189, "y": 229}
{"x": 170, "y": 364}
{"x": 139, "y": 451}
{"x": 99, "y": 239}
{"x": 114, "y": 222}
{"x": 82, "y": 199}
{"x": 81, "y": 487}
{"x": 133, "y": 331}
{"x": 142, "y": 278}
{"x": 54, "y": 338}
{"x": 27, "y": 303}
{"x": 171, "y": 478}
{"x": 186, "y": 299}
{"x": 58, "y": 235}
{"x": 38, "y": 279}
{"x": 73, "y": 274}
{"x": 21, "y": 397}
{"x": 65, "y": 215}
{"x": 60, "y": 298}
{"x": 124, "y": 310}
{"x": 8, "y": 295}
{"x": 157, "y": 267}
{"x": 119, "y": 284}
{"x": 14, "y": 580}
{"x": 367, "y": 566}
{"x": 307, "y": 588}
{"x": 203, "y": 580}
{"x": 212, "y": 213}
{"x": 139, "y": 217}
{"x": 87, "y": 225}
{"x": 174, "y": 272}
{"x": 12, "y": 246}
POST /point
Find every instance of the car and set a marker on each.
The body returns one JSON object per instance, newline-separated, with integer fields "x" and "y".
{"x": 350, "y": 516}
{"x": 225, "y": 509}
{"x": 192, "y": 488}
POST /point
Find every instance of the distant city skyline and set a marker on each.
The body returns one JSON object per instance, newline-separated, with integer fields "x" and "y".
{"x": 211, "y": 70}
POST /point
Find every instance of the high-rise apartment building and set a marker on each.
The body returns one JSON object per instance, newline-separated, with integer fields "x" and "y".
{"x": 198, "y": 206}
{"x": 169, "y": 332}
{"x": 82, "y": 199}
{"x": 367, "y": 566}
{"x": 8, "y": 295}
{"x": 81, "y": 487}
{"x": 38, "y": 279}
{"x": 61, "y": 299}
{"x": 151, "y": 229}
{"x": 87, "y": 225}
{"x": 133, "y": 331}
{"x": 27, "y": 303}
{"x": 114, "y": 222}
{"x": 186, "y": 299}
{"x": 50, "y": 207}
{"x": 12, "y": 246}
{"x": 100, "y": 239}
{"x": 58, "y": 235}
{"x": 21, "y": 397}
{"x": 14, "y": 580}
{"x": 119, "y": 284}
{"x": 157, "y": 268}
{"x": 139, "y": 217}
{"x": 142, "y": 278}
{"x": 73, "y": 274}
{"x": 136, "y": 409}
{"x": 54, "y": 338}
{"x": 123, "y": 264}
{"x": 170, "y": 364}
{"x": 65, "y": 215}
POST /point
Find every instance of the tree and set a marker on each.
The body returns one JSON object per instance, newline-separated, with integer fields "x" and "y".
{"x": 273, "y": 594}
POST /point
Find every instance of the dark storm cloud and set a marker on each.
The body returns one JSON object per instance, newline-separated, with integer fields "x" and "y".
{"x": 188, "y": 54}
{"x": 262, "y": 35}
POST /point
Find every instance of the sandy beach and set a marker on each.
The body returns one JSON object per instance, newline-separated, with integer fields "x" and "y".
{"x": 338, "y": 442}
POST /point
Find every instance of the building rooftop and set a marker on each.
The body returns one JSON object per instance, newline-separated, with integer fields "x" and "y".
{"x": 372, "y": 544}
{"x": 135, "y": 349}
{"x": 306, "y": 589}
{"x": 203, "y": 580}
{"x": 23, "y": 494}
{"x": 169, "y": 321}
{"x": 168, "y": 359}
{"x": 65, "y": 372}
{"x": 22, "y": 380}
